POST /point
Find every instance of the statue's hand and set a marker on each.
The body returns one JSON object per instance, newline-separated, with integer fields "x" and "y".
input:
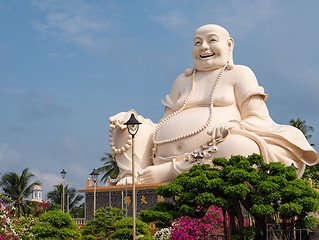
{"x": 220, "y": 132}
{"x": 119, "y": 119}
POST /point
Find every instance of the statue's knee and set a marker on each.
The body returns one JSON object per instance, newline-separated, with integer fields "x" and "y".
{"x": 237, "y": 145}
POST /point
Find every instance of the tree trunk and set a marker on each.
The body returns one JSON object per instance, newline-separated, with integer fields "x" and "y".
{"x": 238, "y": 212}
{"x": 232, "y": 220}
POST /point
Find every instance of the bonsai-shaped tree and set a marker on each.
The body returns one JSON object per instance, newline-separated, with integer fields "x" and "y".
{"x": 55, "y": 225}
{"x": 271, "y": 193}
{"x": 124, "y": 230}
{"x": 104, "y": 221}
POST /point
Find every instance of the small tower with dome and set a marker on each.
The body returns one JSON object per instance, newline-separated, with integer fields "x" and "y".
{"x": 37, "y": 194}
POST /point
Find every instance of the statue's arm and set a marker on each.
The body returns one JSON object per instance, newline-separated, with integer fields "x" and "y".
{"x": 250, "y": 101}
{"x": 250, "y": 97}
{"x": 174, "y": 99}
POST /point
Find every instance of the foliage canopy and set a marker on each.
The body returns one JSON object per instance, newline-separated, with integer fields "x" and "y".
{"x": 269, "y": 192}
{"x": 16, "y": 188}
{"x": 104, "y": 221}
{"x": 56, "y": 196}
{"x": 55, "y": 225}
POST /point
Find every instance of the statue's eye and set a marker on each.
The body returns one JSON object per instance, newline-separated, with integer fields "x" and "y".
{"x": 198, "y": 43}
{"x": 213, "y": 40}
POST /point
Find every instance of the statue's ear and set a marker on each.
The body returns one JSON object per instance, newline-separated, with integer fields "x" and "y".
{"x": 230, "y": 64}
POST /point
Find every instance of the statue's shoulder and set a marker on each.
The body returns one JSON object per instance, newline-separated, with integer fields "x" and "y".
{"x": 185, "y": 76}
{"x": 181, "y": 80}
{"x": 243, "y": 76}
{"x": 241, "y": 70}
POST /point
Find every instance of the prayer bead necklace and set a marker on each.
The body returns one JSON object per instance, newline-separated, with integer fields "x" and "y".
{"x": 115, "y": 150}
{"x": 162, "y": 121}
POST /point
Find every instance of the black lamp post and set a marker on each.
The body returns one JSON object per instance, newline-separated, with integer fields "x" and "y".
{"x": 63, "y": 173}
{"x": 94, "y": 174}
{"x": 132, "y": 127}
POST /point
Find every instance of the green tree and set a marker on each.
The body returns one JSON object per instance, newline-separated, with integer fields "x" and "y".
{"x": 78, "y": 211}
{"x": 124, "y": 230}
{"x": 272, "y": 193}
{"x": 104, "y": 222}
{"x": 56, "y": 196}
{"x": 109, "y": 168}
{"x": 311, "y": 172}
{"x": 302, "y": 126}
{"x": 55, "y": 225}
{"x": 16, "y": 188}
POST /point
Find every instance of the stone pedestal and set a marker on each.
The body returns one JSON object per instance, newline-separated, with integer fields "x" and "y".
{"x": 121, "y": 197}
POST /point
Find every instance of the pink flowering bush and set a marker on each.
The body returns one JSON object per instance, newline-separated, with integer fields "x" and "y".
{"x": 199, "y": 228}
{"x": 7, "y": 224}
{"x": 42, "y": 208}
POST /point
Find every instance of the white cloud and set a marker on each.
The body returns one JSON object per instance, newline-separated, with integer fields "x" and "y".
{"x": 239, "y": 16}
{"x": 40, "y": 27}
{"x": 172, "y": 20}
{"x": 48, "y": 180}
{"x": 54, "y": 55}
{"x": 72, "y": 21}
{"x": 243, "y": 16}
{"x": 8, "y": 156}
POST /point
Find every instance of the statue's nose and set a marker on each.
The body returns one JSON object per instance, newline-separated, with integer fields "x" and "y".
{"x": 205, "y": 45}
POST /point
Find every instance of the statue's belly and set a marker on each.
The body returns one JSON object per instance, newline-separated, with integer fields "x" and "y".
{"x": 189, "y": 121}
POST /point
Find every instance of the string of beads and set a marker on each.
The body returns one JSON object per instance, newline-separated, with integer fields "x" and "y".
{"x": 162, "y": 121}
{"x": 115, "y": 150}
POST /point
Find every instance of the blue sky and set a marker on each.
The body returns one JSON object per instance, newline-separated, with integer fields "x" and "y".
{"x": 67, "y": 66}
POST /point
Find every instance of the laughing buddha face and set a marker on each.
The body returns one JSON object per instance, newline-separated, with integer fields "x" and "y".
{"x": 212, "y": 47}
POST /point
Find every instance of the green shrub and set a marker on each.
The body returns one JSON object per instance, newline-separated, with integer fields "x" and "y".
{"x": 89, "y": 237}
{"x": 103, "y": 222}
{"x": 124, "y": 229}
{"x": 55, "y": 225}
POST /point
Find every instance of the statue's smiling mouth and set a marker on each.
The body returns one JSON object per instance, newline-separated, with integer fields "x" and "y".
{"x": 207, "y": 55}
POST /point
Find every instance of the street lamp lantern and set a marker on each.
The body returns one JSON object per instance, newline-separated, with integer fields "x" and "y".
{"x": 63, "y": 173}
{"x": 94, "y": 174}
{"x": 132, "y": 127}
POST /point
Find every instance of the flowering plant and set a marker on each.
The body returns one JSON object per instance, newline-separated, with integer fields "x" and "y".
{"x": 42, "y": 208}
{"x": 7, "y": 224}
{"x": 199, "y": 228}
{"x": 163, "y": 234}
{"x": 24, "y": 227}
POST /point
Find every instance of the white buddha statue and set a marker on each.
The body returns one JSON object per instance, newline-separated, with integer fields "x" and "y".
{"x": 216, "y": 109}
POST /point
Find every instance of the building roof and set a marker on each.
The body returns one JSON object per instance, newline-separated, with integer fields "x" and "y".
{"x": 37, "y": 187}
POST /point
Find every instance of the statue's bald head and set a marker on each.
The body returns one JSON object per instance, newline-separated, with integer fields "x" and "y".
{"x": 213, "y": 28}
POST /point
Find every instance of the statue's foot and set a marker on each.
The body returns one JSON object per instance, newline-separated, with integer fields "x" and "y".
{"x": 157, "y": 174}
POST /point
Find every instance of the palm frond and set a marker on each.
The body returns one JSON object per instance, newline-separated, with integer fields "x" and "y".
{"x": 109, "y": 168}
